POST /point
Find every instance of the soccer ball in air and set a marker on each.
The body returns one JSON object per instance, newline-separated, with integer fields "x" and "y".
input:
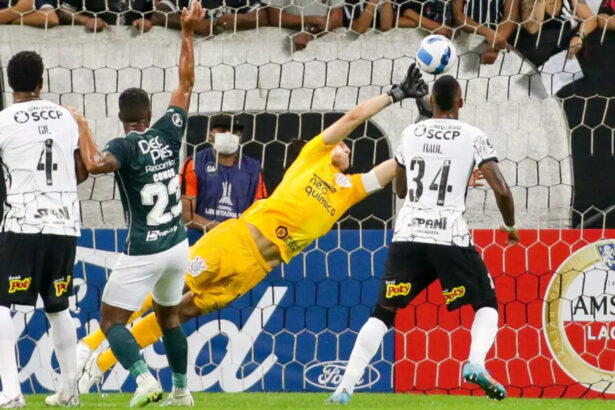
{"x": 436, "y": 54}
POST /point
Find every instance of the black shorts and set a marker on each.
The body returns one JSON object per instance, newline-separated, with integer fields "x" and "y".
{"x": 33, "y": 264}
{"x": 411, "y": 267}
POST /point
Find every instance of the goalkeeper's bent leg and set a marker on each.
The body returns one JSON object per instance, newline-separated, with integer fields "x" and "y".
{"x": 95, "y": 339}
{"x": 367, "y": 344}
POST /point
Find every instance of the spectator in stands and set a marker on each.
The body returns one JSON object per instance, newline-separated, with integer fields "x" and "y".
{"x": 310, "y": 17}
{"x": 95, "y": 15}
{"x": 36, "y": 13}
{"x": 221, "y": 15}
{"x": 496, "y": 20}
{"x": 139, "y": 15}
{"x": 606, "y": 15}
{"x": 217, "y": 182}
{"x": 434, "y": 16}
{"x": 552, "y": 26}
{"x": 359, "y": 15}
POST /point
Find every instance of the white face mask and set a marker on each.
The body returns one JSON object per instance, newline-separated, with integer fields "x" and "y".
{"x": 226, "y": 143}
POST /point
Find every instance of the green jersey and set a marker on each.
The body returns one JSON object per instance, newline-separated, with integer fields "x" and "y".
{"x": 148, "y": 181}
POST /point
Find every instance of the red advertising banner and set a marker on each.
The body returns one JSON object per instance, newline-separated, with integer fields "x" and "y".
{"x": 556, "y": 293}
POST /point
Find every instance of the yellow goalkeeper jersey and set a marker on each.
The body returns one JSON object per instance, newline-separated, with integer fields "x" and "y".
{"x": 312, "y": 196}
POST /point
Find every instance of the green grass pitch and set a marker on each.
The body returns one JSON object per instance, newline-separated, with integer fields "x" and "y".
{"x": 387, "y": 401}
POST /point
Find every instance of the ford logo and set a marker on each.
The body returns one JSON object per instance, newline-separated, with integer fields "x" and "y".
{"x": 327, "y": 375}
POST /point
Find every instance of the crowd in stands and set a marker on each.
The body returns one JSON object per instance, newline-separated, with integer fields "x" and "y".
{"x": 503, "y": 23}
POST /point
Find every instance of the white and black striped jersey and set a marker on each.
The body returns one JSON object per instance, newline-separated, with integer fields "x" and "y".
{"x": 439, "y": 156}
{"x": 37, "y": 144}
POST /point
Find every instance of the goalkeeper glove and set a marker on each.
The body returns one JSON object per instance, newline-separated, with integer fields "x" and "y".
{"x": 413, "y": 86}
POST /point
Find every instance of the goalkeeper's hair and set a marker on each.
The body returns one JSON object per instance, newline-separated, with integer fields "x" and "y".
{"x": 134, "y": 105}
{"x": 445, "y": 91}
{"x": 25, "y": 71}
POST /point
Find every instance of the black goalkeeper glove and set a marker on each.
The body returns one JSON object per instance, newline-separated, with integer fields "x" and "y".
{"x": 413, "y": 86}
{"x": 424, "y": 108}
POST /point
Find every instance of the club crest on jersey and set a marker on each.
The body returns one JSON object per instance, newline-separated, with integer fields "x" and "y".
{"x": 343, "y": 180}
{"x": 61, "y": 285}
{"x": 401, "y": 289}
{"x": 196, "y": 266}
{"x": 454, "y": 294}
{"x": 155, "y": 149}
{"x": 17, "y": 284}
{"x": 177, "y": 119}
{"x": 21, "y": 117}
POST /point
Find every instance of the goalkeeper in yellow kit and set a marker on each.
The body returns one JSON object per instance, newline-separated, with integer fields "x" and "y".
{"x": 236, "y": 255}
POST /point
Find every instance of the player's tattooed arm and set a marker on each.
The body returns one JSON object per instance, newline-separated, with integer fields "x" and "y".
{"x": 95, "y": 162}
{"x": 181, "y": 95}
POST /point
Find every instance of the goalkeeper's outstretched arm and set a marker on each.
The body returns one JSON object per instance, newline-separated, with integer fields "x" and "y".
{"x": 181, "y": 95}
{"x": 412, "y": 87}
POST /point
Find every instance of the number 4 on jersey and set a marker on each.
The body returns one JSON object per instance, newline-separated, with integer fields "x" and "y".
{"x": 47, "y": 165}
{"x": 441, "y": 187}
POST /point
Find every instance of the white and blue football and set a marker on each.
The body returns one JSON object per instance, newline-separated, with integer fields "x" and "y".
{"x": 436, "y": 54}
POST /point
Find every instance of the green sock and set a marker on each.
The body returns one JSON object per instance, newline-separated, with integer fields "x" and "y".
{"x": 125, "y": 348}
{"x": 176, "y": 345}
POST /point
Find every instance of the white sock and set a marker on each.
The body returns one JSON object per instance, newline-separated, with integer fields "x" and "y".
{"x": 367, "y": 344}
{"x": 65, "y": 343}
{"x": 484, "y": 329}
{"x": 8, "y": 362}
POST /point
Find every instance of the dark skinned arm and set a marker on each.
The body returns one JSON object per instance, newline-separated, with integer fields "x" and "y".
{"x": 401, "y": 184}
{"x": 503, "y": 198}
{"x": 80, "y": 169}
{"x": 181, "y": 95}
{"x": 364, "y": 22}
{"x": 193, "y": 220}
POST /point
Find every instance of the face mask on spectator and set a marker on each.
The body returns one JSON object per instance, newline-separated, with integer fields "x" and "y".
{"x": 226, "y": 143}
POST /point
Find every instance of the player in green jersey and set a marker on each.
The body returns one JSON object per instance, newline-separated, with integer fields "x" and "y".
{"x": 146, "y": 165}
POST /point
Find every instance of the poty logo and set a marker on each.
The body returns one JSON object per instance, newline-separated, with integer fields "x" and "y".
{"x": 155, "y": 149}
{"x": 579, "y": 315}
{"x": 17, "y": 285}
{"x": 454, "y": 294}
{"x": 328, "y": 375}
{"x": 61, "y": 286}
{"x": 177, "y": 120}
{"x": 401, "y": 289}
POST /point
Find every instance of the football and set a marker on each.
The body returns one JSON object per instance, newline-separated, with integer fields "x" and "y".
{"x": 436, "y": 54}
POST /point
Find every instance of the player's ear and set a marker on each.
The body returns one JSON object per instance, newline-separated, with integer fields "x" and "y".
{"x": 149, "y": 117}
{"x": 461, "y": 103}
{"x": 119, "y": 115}
{"x": 431, "y": 102}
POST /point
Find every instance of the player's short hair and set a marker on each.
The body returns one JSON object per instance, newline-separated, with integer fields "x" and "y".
{"x": 25, "y": 71}
{"x": 445, "y": 91}
{"x": 134, "y": 105}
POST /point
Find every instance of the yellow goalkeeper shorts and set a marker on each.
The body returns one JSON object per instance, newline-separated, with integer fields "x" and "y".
{"x": 224, "y": 264}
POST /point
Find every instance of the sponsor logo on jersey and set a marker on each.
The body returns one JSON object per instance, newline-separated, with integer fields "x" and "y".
{"x": 196, "y": 266}
{"x": 156, "y": 234}
{"x": 53, "y": 213}
{"x": 400, "y": 289}
{"x": 155, "y": 149}
{"x": 61, "y": 285}
{"x": 328, "y": 375}
{"x": 17, "y": 284}
{"x": 429, "y": 223}
{"x": 437, "y": 132}
{"x": 579, "y": 315}
{"x": 177, "y": 119}
{"x": 456, "y": 293}
{"x": 37, "y": 115}
{"x": 319, "y": 189}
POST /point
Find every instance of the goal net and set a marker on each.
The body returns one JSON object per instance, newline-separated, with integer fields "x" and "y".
{"x": 295, "y": 331}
